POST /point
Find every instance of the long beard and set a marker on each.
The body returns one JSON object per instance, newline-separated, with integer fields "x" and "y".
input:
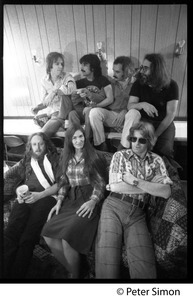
{"x": 38, "y": 157}
{"x": 144, "y": 80}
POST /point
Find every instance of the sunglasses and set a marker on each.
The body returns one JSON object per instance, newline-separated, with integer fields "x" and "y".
{"x": 134, "y": 139}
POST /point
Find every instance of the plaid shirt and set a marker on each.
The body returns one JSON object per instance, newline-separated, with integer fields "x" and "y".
{"x": 76, "y": 176}
{"x": 146, "y": 169}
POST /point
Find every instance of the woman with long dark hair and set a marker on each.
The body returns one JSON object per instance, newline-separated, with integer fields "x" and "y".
{"x": 71, "y": 231}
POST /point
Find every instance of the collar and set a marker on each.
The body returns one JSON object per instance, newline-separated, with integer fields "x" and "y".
{"x": 131, "y": 153}
{"x": 48, "y": 76}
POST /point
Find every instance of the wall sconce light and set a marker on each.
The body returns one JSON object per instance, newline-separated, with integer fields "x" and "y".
{"x": 36, "y": 59}
{"x": 179, "y": 48}
{"x": 101, "y": 54}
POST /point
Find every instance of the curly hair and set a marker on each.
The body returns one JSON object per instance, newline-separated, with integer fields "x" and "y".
{"x": 147, "y": 130}
{"x": 93, "y": 163}
{"x": 51, "y": 58}
{"x": 94, "y": 62}
{"x": 159, "y": 76}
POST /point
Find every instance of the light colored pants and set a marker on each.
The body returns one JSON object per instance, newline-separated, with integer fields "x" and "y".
{"x": 122, "y": 219}
{"x": 100, "y": 117}
{"x": 57, "y": 119}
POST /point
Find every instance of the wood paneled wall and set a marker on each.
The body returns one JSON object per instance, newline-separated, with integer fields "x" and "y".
{"x": 74, "y": 30}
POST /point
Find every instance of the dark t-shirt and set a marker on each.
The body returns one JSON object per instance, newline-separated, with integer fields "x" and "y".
{"x": 93, "y": 86}
{"x": 147, "y": 94}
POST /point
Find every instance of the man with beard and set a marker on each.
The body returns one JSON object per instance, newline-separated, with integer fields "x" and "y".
{"x": 37, "y": 170}
{"x": 114, "y": 114}
{"x": 154, "y": 98}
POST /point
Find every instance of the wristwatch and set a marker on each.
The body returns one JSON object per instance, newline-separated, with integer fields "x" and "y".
{"x": 135, "y": 182}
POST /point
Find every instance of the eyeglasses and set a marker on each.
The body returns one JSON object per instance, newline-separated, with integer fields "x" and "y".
{"x": 143, "y": 68}
{"x": 134, "y": 139}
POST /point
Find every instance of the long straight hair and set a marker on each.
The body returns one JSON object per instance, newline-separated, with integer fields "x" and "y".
{"x": 93, "y": 164}
{"x": 159, "y": 76}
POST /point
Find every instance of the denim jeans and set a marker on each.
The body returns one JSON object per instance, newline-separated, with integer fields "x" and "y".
{"x": 120, "y": 221}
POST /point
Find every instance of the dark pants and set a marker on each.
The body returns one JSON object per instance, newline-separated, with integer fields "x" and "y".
{"x": 165, "y": 142}
{"x": 22, "y": 234}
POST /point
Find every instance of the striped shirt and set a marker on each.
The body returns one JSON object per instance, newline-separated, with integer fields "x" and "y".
{"x": 147, "y": 169}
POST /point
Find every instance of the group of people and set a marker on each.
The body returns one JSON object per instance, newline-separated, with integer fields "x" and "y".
{"x": 119, "y": 102}
{"x": 66, "y": 204}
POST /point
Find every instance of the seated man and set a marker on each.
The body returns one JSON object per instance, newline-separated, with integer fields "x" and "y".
{"x": 113, "y": 115}
{"x": 56, "y": 87}
{"x": 37, "y": 170}
{"x": 134, "y": 174}
{"x": 94, "y": 90}
{"x": 154, "y": 98}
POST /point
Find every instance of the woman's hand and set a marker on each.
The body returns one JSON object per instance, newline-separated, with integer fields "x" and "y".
{"x": 55, "y": 209}
{"x": 86, "y": 209}
{"x": 32, "y": 197}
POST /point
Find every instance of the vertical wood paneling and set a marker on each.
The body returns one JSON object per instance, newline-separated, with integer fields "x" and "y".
{"x": 122, "y": 30}
{"x": 30, "y": 40}
{"x": 74, "y": 30}
{"x": 167, "y": 31}
{"x": 44, "y": 45}
{"x": 148, "y": 29}
{"x": 99, "y": 25}
{"x": 179, "y": 65}
{"x": 110, "y": 49}
{"x": 20, "y": 85}
{"x": 89, "y": 28}
{"x": 135, "y": 33}
{"x": 80, "y": 31}
{"x": 67, "y": 36}
{"x": 50, "y": 18}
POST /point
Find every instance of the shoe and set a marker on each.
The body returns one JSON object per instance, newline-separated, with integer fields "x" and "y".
{"x": 102, "y": 147}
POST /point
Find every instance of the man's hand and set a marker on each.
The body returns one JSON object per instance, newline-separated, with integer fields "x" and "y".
{"x": 32, "y": 197}
{"x": 149, "y": 109}
{"x": 120, "y": 118}
{"x": 86, "y": 209}
{"x": 56, "y": 86}
{"x": 128, "y": 178}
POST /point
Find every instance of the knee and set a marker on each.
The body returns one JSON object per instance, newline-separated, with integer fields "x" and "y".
{"x": 95, "y": 114}
{"x": 133, "y": 114}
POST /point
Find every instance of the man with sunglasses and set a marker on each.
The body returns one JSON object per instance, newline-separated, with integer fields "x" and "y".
{"x": 134, "y": 175}
{"x": 153, "y": 98}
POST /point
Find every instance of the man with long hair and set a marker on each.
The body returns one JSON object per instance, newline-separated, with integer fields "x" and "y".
{"x": 114, "y": 114}
{"x": 56, "y": 88}
{"x": 154, "y": 98}
{"x": 37, "y": 170}
{"x": 93, "y": 90}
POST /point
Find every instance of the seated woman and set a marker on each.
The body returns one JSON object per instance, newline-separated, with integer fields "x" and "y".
{"x": 57, "y": 85}
{"x": 37, "y": 170}
{"x": 71, "y": 231}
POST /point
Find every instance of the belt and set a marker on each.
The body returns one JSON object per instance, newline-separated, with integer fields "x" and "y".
{"x": 126, "y": 198}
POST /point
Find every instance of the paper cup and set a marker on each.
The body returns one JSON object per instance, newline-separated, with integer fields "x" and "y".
{"x": 22, "y": 191}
